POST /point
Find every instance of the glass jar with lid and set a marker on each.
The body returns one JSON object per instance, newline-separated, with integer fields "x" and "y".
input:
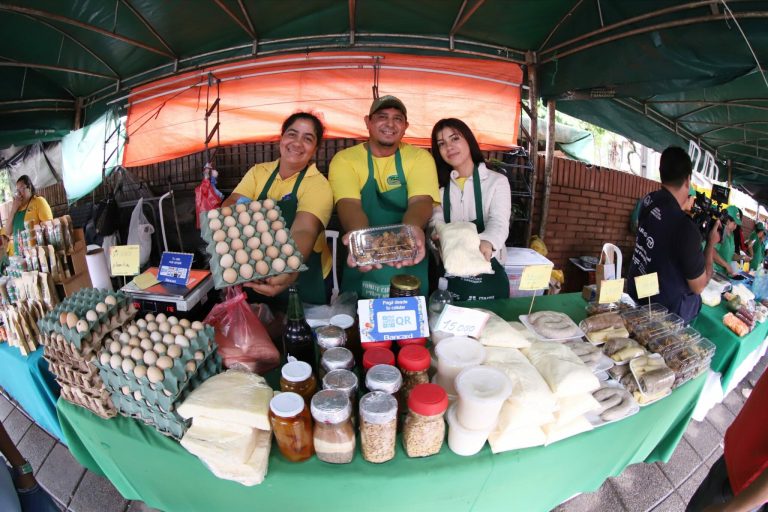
{"x": 343, "y": 380}
{"x": 334, "y": 436}
{"x": 386, "y": 378}
{"x": 424, "y": 428}
{"x": 378, "y": 426}
{"x": 297, "y": 377}
{"x": 338, "y": 358}
{"x": 376, "y": 356}
{"x": 330, "y": 336}
{"x": 414, "y": 361}
{"x": 404, "y": 285}
{"x": 292, "y": 426}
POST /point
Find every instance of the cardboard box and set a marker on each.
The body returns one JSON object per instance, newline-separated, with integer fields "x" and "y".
{"x": 76, "y": 283}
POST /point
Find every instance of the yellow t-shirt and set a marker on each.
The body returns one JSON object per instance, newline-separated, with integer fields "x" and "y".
{"x": 38, "y": 210}
{"x": 460, "y": 182}
{"x": 314, "y": 196}
{"x": 348, "y": 172}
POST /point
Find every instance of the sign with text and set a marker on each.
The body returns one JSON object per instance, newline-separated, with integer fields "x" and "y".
{"x": 610, "y": 291}
{"x": 461, "y": 321}
{"x": 396, "y": 318}
{"x": 145, "y": 280}
{"x": 536, "y": 277}
{"x": 174, "y": 268}
{"x": 124, "y": 260}
{"x": 647, "y": 285}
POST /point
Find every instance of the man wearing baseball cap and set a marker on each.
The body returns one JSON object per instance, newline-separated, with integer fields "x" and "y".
{"x": 725, "y": 251}
{"x": 756, "y": 246}
{"x": 379, "y": 182}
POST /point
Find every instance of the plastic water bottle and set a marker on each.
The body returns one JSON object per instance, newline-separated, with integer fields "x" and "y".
{"x": 438, "y": 300}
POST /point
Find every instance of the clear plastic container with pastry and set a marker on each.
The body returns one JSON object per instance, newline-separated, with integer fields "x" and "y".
{"x": 654, "y": 378}
{"x": 622, "y": 350}
{"x": 642, "y": 314}
{"x": 671, "y": 339}
{"x": 645, "y": 331}
{"x": 690, "y": 360}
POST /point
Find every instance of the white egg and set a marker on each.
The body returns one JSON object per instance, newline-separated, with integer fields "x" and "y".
{"x": 82, "y": 326}
{"x": 229, "y": 221}
{"x": 255, "y": 206}
{"x": 197, "y": 325}
{"x": 281, "y": 236}
{"x": 219, "y": 236}
{"x": 287, "y": 249}
{"x": 151, "y": 326}
{"x": 104, "y": 358}
{"x": 272, "y": 252}
{"x": 226, "y": 210}
{"x": 273, "y": 215}
{"x": 174, "y": 351}
{"x": 143, "y": 335}
{"x": 233, "y": 232}
{"x": 133, "y": 330}
{"x": 125, "y": 351}
{"x": 244, "y": 218}
{"x": 262, "y": 268}
{"x": 141, "y": 324}
{"x": 155, "y": 374}
{"x": 110, "y": 300}
{"x": 257, "y": 216}
{"x": 125, "y": 390}
{"x": 160, "y": 348}
{"x": 134, "y": 342}
{"x": 115, "y": 347}
{"x": 168, "y": 338}
{"x": 277, "y": 225}
{"x": 91, "y": 315}
{"x": 226, "y": 261}
{"x": 137, "y": 394}
{"x": 214, "y": 224}
{"x": 150, "y": 357}
{"x": 156, "y": 336}
{"x": 146, "y": 345}
{"x": 150, "y": 317}
{"x": 294, "y": 262}
{"x": 229, "y": 275}
{"x": 213, "y": 214}
{"x": 124, "y": 337}
{"x": 278, "y": 265}
{"x": 190, "y": 366}
{"x": 137, "y": 354}
{"x": 262, "y": 226}
{"x": 181, "y": 341}
{"x": 241, "y": 257}
{"x": 140, "y": 371}
{"x": 190, "y": 332}
{"x": 199, "y": 355}
{"x": 185, "y": 323}
{"x": 101, "y": 308}
{"x": 161, "y": 318}
{"x": 257, "y": 255}
{"x": 268, "y": 203}
{"x": 236, "y": 244}
{"x": 267, "y": 238}
{"x": 164, "y": 362}
{"x": 128, "y": 365}
{"x": 222, "y": 248}
{"x": 240, "y": 207}
{"x": 246, "y": 271}
{"x": 254, "y": 243}
{"x": 249, "y": 231}
{"x": 173, "y": 320}
{"x": 177, "y": 329}
{"x": 115, "y": 361}
{"x": 164, "y": 327}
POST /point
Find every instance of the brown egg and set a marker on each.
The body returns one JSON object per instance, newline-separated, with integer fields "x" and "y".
{"x": 230, "y": 275}
{"x": 267, "y": 238}
{"x": 287, "y": 249}
{"x": 233, "y": 233}
{"x": 244, "y": 217}
{"x": 255, "y": 206}
{"x": 240, "y": 207}
{"x": 257, "y": 255}
{"x": 273, "y": 215}
{"x": 272, "y": 252}
{"x": 262, "y": 226}
{"x": 226, "y": 260}
{"x": 254, "y": 243}
{"x": 214, "y": 224}
{"x": 241, "y": 257}
{"x": 262, "y": 268}
{"x": 72, "y": 320}
{"x": 294, "y": 262}
{"x": 278, "y": 265}
{"x": 236, "y": 244}
{"x": 249, "y": 231}
{"x": 155, "y": 374}
{"x": 226, "y": 210}
{"x": 63, "y": 318}
{"x": 246, "y": 271}
{"x": 219, "y": 235}
{"x": 229, "y": 221}
{"x": 268, "y": 204}
{"x": 281, "y": 236}
{"x": 222, "y": 247}
{"x": 277, "y": 225}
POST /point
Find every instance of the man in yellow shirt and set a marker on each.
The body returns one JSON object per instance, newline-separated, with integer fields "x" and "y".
{"x": 384, "y": 181}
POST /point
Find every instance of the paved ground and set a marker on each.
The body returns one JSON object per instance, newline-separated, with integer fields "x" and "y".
{"x": 641, "y": 487}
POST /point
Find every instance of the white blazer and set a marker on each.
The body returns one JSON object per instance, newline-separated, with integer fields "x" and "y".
{"x": 497, "y": 206}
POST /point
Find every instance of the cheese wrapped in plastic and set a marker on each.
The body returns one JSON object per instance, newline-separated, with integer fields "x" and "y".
{"x": 528, "y": 386}
{"x": 558, "y": 431}
{"x": 233, "y": 397}
{"x": 515, "y": 415}
{"x": 460, "y": 250}
{"x": 217, "y": 444}
{"x": 500, "y": 333}
{"x": 565, "y": 373}
{"x": 576, "y": 405}
{"x": 516, "y": 439}
{"x": 253, "y": 471}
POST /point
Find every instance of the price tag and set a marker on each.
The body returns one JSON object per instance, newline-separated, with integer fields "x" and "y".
{"x": 536, "y": 277}
{"x": 175, "y": 267}
{"x": 610, "y": 291}
{"x": 145, "y": 280}
{"x": 124, "y": 260}
{"x": 647, "y": 285}
{"x": 400, "y": 318}
{"x": 461, "y": 321}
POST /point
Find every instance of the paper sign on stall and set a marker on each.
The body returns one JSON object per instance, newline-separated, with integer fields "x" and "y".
{"x": 647, "y": 285}
{"x": 145, "y": 280}
{"x": 610, "y": 291}
{"x": 461, "y": 321}
{"x": 175, "y": 267}
{"x": 395, "y": 318}
{"x": 124, "y": 260}
{"x": 536, "y": 277}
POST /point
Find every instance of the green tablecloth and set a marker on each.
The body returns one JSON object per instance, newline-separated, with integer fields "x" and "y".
{"x": 731, "y": 350}
{"x": 147, "y": 466}
{"x": 29, "y": 382}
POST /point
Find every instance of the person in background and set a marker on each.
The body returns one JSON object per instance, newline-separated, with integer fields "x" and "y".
{"x": 19, "y": 491}
{"x": 27, "y": 206}
{"x": 738, "y": 481}
{"x": 756, "y": 246}
{"x": 688, "y": 206}
{"x": 669, "y": 243}
{"x": 305, "y": 200}
{"x": 725, "y": 251}
{"x": 471, "y": 192}
{"x": 379, "y": 182}
{"x": 4, "y": 247}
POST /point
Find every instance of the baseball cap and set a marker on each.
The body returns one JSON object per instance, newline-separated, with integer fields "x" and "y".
{"x": 759, "y": 226}
{"x": 691, "y": 191}
{"x": 733, "y": 213}
{"x": 387, "y": 102}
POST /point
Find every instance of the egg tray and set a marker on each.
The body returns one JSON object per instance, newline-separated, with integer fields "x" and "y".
{"x": 169, "y": 424}
{"x": 88, "y": 379}
{"x": 217, "y": 270}
{"x": 80, "y": 303}
{"x": 56, "y": 344}
{"x": 101, "y": 405}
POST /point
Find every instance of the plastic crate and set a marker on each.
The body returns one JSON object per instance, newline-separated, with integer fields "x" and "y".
{"x": 517, "y": 259}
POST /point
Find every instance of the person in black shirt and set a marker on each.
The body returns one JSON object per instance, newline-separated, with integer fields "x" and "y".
{"x": 669, "y": 243}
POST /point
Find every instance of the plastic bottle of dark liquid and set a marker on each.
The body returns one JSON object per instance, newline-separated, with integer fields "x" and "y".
{"x": 298, "y": 341}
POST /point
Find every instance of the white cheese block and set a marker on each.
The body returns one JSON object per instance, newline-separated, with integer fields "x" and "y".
{"x": 216, "y": 444}
{"x": 565, "y": 373}
{"x": 214, "y": 424}
{"x": 516, "y": 439}
{"x": 558, "y": 431}
{"x": 500, "y": 333}
{"x": 233, "y": 397}
{"x": 575, "y": 405}
{"x": 460, "y": 249}
{"x": 528, "y": 386}
{"x": 515, "y": 415}
{"x": 253, "y": 471}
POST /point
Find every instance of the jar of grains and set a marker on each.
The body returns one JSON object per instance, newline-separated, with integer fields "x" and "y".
{"x": 424, "y": 429}
{"x": 338, "y": 358}
{"x": 334, "y": 436}
{"x": 386, "y": 378}
{"x": 378, "y": 426}
{"x": 414, "y": 361}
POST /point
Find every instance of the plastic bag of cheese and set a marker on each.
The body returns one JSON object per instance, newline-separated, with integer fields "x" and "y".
{"x": 528, "y": 387}
{"x": 460, "y": 250}
{"x": 558, "y": 431}
{"x": 516, "y": 439}
{"x": 250, "y": 472}
{"x": 570, "y": 407}
{"x": 565, "y": 373}
{"x": 235, "y": 397}
{"x": 500, "y": 333}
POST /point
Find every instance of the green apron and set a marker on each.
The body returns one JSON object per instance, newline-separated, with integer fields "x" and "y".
{"x": 726, "y": 249}
{"x": 311, "y": 285}
{"x": 382, "y": 208}
{"x": 758, "y": 253}
{"x": 17, "y": 226}
{"x": 482, "y": 286}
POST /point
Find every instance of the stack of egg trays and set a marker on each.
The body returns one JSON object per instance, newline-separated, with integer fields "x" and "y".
{"x": 175, "y": 379}
{"x": 80, "y": 303}
{"x": 216, "y": 269}
{"x": 169, "y": 424}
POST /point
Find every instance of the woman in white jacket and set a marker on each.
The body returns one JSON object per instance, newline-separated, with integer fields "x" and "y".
{"x": 471, "y": 192}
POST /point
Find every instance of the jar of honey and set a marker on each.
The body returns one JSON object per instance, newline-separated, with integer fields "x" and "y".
{"x": 297, "y": 377}
{"x": 292, "y": 424}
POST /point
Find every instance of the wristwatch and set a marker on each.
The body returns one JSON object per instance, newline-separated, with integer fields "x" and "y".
{"x": 21, "y": 470}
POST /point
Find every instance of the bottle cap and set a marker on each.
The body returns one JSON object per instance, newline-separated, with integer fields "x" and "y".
{"x": 330, "y": 406}
{"x": 442, "y": 284}
{"x": 378, "y": 407}
{"x": 287, "y": 405}
{"x": 343, "y": 321}
{"x": 296, "y": 371}
{"x": 414, "y": 358}
{"x": 329, "y": 336}
{"x": 405, "y": 282}
{"x": 428, "y": 400}
{"x": 375, "y": 356}
{"x": 337, "y": 358}
{"x": 344, "y": 380}
{"x": 384, "y": 377}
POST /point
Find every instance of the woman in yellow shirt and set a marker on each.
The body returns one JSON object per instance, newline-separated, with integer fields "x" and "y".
{"x": 305, "y": 199}
{"x": 27, "y": 206}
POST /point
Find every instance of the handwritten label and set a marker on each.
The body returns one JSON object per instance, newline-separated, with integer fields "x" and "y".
{"x": 175, "y": 267}
{"x": 610, "y": 291}
{"x": 536, "y": 277}
{"x": 124, "y": 260}
{"x": 647, "y": 285}
{"x": 145, "y": 280}
{"x": 461, "y": 321}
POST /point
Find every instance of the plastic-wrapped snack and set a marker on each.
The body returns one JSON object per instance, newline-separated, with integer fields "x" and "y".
{"x": 385, "y": 244}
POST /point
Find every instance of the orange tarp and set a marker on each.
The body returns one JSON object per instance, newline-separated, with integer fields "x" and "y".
{"x": 166, "y": 119}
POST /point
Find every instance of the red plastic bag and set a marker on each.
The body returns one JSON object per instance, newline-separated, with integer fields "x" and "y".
{"x": 205, "y": 199}
{"x": 242, "y": 339}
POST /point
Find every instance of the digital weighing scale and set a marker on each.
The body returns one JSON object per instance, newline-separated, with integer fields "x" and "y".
{"x": 170, "y": 298}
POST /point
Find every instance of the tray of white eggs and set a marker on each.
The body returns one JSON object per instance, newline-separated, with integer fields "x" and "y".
{"x": 248, "y": 242}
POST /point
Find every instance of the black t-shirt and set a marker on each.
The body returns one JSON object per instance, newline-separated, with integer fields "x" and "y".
{"x": 668, "y": 243}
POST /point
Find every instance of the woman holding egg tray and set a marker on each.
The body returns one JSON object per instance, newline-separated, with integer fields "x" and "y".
{"x": 305, "y": 200}
{"x": 471, "y": 192}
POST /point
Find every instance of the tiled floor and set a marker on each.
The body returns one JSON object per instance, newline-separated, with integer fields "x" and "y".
{"x": 641, "y": 487}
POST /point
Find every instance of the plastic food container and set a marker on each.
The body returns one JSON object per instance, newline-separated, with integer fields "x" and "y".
{"x": 669, "y": 339}
{"x": 424, "y": 429}
{"x": 662, "y": 379}
{"x": 647, "y": 330}
{"x": 385, "y": 244}
{"x": 681, "y": 359}
{"x": 641, "y": 314}
{"x": 453, "y": 355}
{"x": 464, "y": 441}
{"x": 482, "y": 391}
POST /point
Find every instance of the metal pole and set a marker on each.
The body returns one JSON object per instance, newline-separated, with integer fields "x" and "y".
{"x": 730, "y": 172}
{"x": 533, "y": 149}
{"x": 548, "y": 162}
